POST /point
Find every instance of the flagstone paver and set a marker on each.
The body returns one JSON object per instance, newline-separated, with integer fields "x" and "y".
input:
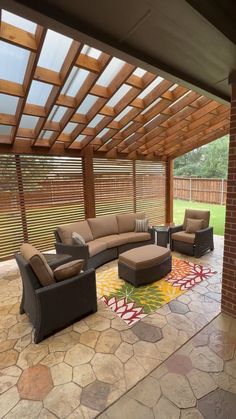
{"x": 95, "y": 395}
{"x": 147, "y": 332}
{"x": 35, "y": 383}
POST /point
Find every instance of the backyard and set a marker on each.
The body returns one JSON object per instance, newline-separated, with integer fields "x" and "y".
{"x": 217, "y": 213}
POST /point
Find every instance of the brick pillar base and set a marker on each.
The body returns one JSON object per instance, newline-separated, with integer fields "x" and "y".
{"x": 228, "y": 304}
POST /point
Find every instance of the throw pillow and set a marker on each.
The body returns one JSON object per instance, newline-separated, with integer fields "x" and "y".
{"x": 193, "y": 225}
{"x": 141, "y": 225}
{"x": 78, "y": 239}
{"x": 68, "y": 270}
{"x": 38, "y": 263}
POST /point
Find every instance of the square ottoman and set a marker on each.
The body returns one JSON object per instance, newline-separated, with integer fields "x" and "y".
{"x": 145, "y": 264}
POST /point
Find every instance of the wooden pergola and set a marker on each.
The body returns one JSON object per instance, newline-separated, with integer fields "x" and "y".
{"x": 73, "y": 97}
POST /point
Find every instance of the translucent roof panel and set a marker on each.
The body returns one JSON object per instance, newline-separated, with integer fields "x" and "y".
{"x": 151, "y": 86}
{"x": 119, "y": 95}
{"x": 173, "y": 87}
{"x": 14, "y": 61}
{"x": 123, "y": 113}
{"x": 57, "y": 113}
{"x": 69, "y": 128}
{"x": 126, "y": 126}
{"x": 87, "y": 104}
{"x": 95, "y": 121}
{"x": 5, "y": 129}
{"x": 139, "y": 72}
{"x": 103, "y": 132}
{"x": 8, "y": 104}
{"x": 110, "y": 72}
{"x": 80, "y": 138}
{"x": 19, "y": 22}
{"x": 46, "y": 135}
{"x": 54, "y": 51}
{"x": 151, "y": 105}
{"x": 39, "y": 93}
{"x": 91, "y": 52}
{"x": 28, "y": 121}
{"x": 75, "y": 81}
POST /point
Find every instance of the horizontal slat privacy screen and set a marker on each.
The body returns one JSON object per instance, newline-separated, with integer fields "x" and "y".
{"x": 113, "y": 184}
{"x": 150, "y": 190}
{"x": 38, "y": 194}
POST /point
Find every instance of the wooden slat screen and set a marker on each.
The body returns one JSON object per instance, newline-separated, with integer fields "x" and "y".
{"x": 150, "y": 190}
{"x": 11, "y": 233}
{"x": 50, "y": 192}
{"x": 113, "y": 183}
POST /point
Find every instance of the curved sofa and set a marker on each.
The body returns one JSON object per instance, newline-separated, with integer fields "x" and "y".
{"x": 105, "y": 238}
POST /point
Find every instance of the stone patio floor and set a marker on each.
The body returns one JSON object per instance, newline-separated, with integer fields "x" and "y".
{"x": 160, "y": 368}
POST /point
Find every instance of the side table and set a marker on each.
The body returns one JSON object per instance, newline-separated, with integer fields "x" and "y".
{"x": 162, "y": 235}
{"x": 54, "y": 260}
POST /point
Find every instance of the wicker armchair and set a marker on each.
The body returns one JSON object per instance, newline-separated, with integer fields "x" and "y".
{"x": 195, "y": 244}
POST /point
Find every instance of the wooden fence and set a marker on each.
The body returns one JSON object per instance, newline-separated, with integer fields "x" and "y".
{"x": 200, "y": 189}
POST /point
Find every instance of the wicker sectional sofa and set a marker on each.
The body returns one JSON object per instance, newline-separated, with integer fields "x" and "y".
{"x": 105, "y": 238}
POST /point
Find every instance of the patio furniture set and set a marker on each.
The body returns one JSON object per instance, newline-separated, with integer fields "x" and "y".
{"x": 58, "y": 289}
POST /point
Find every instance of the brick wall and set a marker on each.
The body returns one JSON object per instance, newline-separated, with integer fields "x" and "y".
{"x": 228, "y": 304}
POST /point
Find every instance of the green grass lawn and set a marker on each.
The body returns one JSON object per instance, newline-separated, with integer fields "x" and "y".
{"x": 217, "y": 213}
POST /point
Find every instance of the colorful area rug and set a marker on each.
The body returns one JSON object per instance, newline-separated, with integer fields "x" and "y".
{"x": 132, "y": 304}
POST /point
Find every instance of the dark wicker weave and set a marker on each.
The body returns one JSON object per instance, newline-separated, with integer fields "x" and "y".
{"x": 203, "y": 242}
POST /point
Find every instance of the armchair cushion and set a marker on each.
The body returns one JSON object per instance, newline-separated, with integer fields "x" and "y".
{"x": 38, "y": 263}
{"x": 126, "y": 222}
{"x": 193, "y": 225}
{"x": 197, "y": 215}
{"x": 182, "y": 236}
{"x": 69, "y": 269}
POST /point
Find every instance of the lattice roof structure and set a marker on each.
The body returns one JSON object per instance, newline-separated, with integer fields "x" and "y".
{"x": 59, "y": 94}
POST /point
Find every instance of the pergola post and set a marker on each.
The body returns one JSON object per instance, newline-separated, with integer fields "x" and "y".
{"x": 228, "y": 303}
{"x": 88, "y": 181}
{"x": 169, "y": 191}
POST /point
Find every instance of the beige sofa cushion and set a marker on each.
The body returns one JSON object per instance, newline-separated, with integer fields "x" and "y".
{"x": 114, "y": 240}
{"x": 103, "y": 226}
{"x": 182, "y": 236}
{"x": 38, "y": 263}
{"x": 193, "y": 225}
{"x": 96, "y": 246}
{"x": 82, "y": 227}
{"x": 134, "y": 237}
{"x": 144, "y": 257}
{"x": 67, "y": 270}
{"x": 126, "y": 222}
{"x": 197, "y": 215}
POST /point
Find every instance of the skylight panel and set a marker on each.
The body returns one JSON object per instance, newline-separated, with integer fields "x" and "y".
{"x": 46, "y": 135}
{"x": 91, "y": 52}
{"x": 80, "y": 137}
{"x": 123, "y": 113}
{"x": 14, "y": 61}
{"x": 87, "y": 104}
{"x": 151, "y": 86}
{"x": 151, "y": 105}
{"x": 18, "y": 22}
{"x": 139, "y": 72}
{"x": 126, "y": 126}
{"x": 8, "y": 104}
{"x": 5, "y": 130}
{"x": 69, "y": 128}
{"x": 54, "y": 51}
{"x": 39, "y": 93}
{"x": 95, "y": 121}
{"x": 110, "y": 72}
{"x": 103, "y": 132}
{"x": 173, "y": 87}
{"x": 75, "y": 81}
{"x": 28, "y": 121}
{"x": 119, "y": 95}
{"x": 57, "y": 113}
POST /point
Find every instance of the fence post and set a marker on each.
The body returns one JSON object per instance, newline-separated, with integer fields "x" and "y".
{"x": 222, "y": 192}
{"x": 190, "y": 189}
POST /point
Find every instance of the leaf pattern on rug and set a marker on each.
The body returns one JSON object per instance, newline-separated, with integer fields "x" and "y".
{"x": 148, "y": 297}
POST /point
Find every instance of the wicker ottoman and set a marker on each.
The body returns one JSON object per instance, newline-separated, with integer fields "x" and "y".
{"x": 145, "y": 264}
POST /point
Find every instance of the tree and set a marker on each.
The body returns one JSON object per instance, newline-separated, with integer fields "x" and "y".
{"x": 209, "y": 161}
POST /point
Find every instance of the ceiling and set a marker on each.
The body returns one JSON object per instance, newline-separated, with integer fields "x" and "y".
{"x": 69, "y": 95}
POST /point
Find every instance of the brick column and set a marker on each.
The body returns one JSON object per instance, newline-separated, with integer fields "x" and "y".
{"x": 169, "y": 191}
{"x": 228, "y": 304}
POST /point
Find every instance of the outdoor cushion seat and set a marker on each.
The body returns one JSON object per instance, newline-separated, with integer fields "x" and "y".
{"x": 134, "y": 237}
{"x": 114, "y": 240}
{"x": 144, "y": 257}
{"x": 182, "y": 236}
{"x": 96, "y": 246}
{"x": 103, "y": 226}
{"x": 126, "y": 222}
{"x": 82, "y": 227}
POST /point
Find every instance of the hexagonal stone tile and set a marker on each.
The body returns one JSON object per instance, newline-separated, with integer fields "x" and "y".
{"x": 26, "y": 409}
{"x": 219, "y": 404}
{"x": 61, "y": 373}
{"x": 164, "y": 409}
{"x": 107, "y": 368}
{"x": 179, "y": 364}
{"x": 128, "y": 336}
{"x": 178, "y": 307}
{"x": 191, "y": 414}
{"x": 8, "y": 358}
{"x": 206, "y": 360}
{"x": 63, "y": 399}
{"x": 201, "y": 383}
{"x": 32, "y": 355}
{"x": 129, "y": 408}
{"x": 19, "y": 330}
{"x": 223, "y": 344}
{"x": 176, "y": 388}
{"x": 8, "y": 400}
{"x": 230, "y": 367}
{"x": 96, "y": 322}
{"x": 147, "y": 332}
{"x": 83, "y": 375}
{"x": 89, "y": 338}
{"x": 35, "y": 383}
{"x": 108, "y": 341}
{"x": 147, "y": 392}
{"x": 64, "y": 342}
{"x": 134, "y": 371}
{"x": 124, "y": 352}
{"x": 79, "y": 354}
{"x": 146, "y": 349}
{"x": 95, "y": 395}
